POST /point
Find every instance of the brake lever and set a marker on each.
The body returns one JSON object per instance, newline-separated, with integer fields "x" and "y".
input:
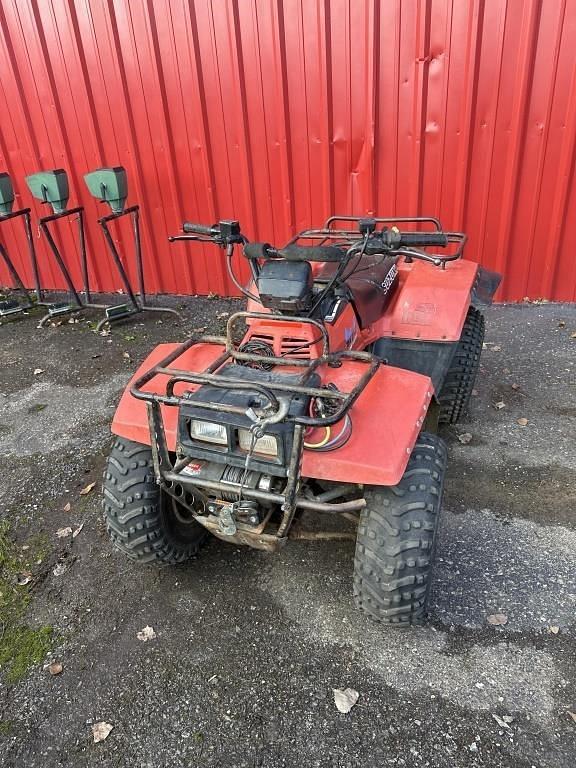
{"x": 172, "y": 238}
{"x": 413, "y": 253}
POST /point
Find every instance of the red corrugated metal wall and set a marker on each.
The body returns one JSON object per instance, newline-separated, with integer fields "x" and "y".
{"x": 281, "y": 112}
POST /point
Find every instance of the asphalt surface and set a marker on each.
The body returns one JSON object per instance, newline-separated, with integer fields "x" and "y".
{"x": 249, "y": 646}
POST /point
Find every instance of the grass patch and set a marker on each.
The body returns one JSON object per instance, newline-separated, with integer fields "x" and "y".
{"x": 37, "y": 408}
{"x": 6, "y": 727}
{"x": 21, "y": 646}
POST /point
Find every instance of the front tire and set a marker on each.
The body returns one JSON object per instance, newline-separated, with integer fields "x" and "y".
{"x": 396, "y": 537}
{"x": 142, "y": 521}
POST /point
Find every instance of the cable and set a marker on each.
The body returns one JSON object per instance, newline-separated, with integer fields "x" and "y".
{"x": 325, "y": 439}
{"x": 302, "y": 346}
{"x": 253, "y": 442}
{"x": 257, "y": 347}
{"x": 338, "y": 273}
{"x": 241, "y": 288}
{"x": 340, "y": 440}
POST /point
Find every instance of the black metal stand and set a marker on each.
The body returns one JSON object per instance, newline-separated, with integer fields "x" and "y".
{"x": 137, "y": 303}
{"x": 11, "y": 308}
{"x": 63, "y": 308}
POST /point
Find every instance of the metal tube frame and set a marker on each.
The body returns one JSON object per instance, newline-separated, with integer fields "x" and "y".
{"x": 19, "y": 284}
{"x": 139, "y": 303}
{"x": 80, "y": 304}
{"x": 169, "y": 474}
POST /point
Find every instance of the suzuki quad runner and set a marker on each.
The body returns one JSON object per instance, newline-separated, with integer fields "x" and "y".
{"x": 324, "y": 396}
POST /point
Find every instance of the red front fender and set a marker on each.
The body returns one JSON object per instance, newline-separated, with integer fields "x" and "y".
{"x": 386, "y": 418}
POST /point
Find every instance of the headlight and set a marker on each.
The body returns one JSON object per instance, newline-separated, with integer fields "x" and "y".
{"x": 266, "y": 444}
{"x": 209, "y": 432}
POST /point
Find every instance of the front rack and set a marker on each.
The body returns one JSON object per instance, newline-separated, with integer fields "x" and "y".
{"x": 233, "y": 354}
{"x": 329, "y": 233}
{"x": 168, "y": 473}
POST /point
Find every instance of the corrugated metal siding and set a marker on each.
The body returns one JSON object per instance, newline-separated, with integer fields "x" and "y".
{"x": 281, "y": 112}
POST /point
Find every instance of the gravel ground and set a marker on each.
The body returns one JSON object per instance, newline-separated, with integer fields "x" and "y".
{"x": 249, "y": 646}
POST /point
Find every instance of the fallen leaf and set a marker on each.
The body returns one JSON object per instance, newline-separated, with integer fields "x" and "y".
{"x": 87, "y": 490}
{"x": 501, "y": 722}
{"x": 497, "y": 619}
{"x": 500, "y": 404}
{"x": 573, "y": 335}
{"x": 345, "y": 699}
{"x": 38, "y": 371}
{"x": 562, "y": 324}
{"x": 67, "y": 507}
{"x": 145, "y": 634}
{"x": 475, "y": 392}
{"x": 554, "y": 630}
{"x": 62, "y": 533}
{"x": 104, "y": 332}
{"x": 77, "y": 531}
{"x": 23, "y": 578}
{"x": 220, "y": 315}
{"x": 572, "y": 715}
{"x": 522, "y": 422}
{"x": 101, "y": 731}
{"x": 126, "y": 355}
{"x": 465, "y": 437}
{"x": 515, "y": 386}
{"x": 55, "y": 668}
{"x": 130, "y": 337}
{"x": 496, "y": 348}
{"x": 59, "y": 569}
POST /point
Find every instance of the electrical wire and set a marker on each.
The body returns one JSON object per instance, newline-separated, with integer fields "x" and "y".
{"x": 341, "y": 439}
{"x": 338, "y": 273}
{"x": 323, "y": 442}
{"x": 237, "y": 283}
{"x": 257, "y": 347}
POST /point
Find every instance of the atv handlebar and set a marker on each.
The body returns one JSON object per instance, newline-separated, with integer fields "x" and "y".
{"x": 227, "y": 233}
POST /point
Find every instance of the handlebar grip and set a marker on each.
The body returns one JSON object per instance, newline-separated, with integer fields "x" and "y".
{"x": 423, "y": 238}
{"x": 191, "y": 228}
{"x": 312, "y": 253}
{"x": 257, "y": 250}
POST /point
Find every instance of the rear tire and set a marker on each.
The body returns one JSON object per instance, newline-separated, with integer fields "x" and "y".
{"x": 459, "y": 382}
{"x": 396, "y": 537}
{"x": 141, "y": 520}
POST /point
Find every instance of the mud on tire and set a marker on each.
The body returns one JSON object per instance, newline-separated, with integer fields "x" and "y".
{"x": 141, "y": 521}
{"x": 396, "y": 537}
{"x": 459, "y": 382}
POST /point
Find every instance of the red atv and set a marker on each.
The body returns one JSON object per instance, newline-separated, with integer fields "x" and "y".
{"x": 324, "y": 396}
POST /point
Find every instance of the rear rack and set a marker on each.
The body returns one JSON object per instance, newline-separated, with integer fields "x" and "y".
{"x": 329, "y": 233}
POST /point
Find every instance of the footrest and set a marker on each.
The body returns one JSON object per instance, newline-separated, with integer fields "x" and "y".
{"x": 60, "y": 308}
{"x": 119, "y": 312}
{"x": 10, "y": 307}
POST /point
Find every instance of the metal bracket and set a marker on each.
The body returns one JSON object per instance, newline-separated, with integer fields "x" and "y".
{"x": 226, "y": 522}
{"x": 160, "y": 455}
